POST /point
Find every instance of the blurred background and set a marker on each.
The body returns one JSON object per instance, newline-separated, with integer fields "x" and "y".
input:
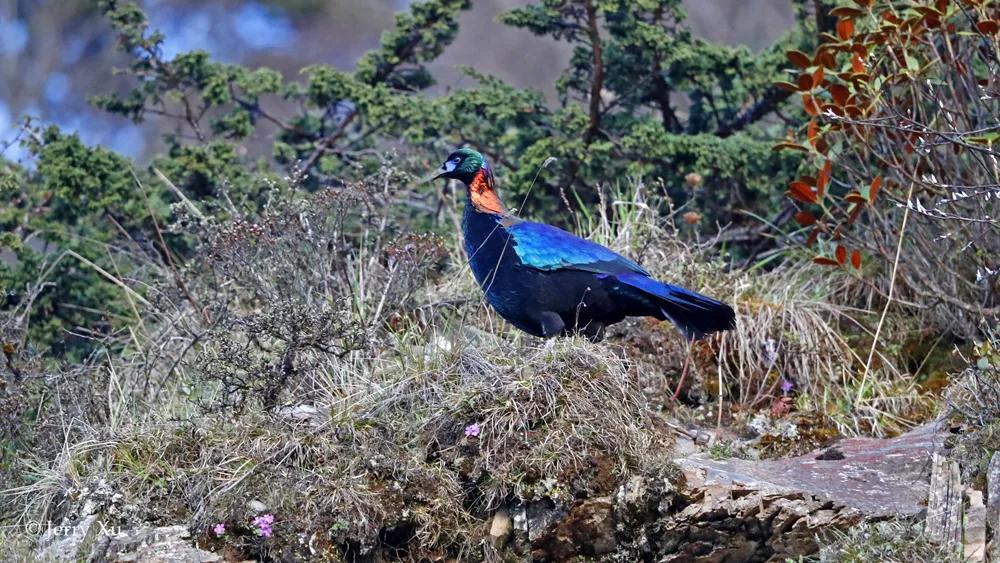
{"x": 56, "y": 53}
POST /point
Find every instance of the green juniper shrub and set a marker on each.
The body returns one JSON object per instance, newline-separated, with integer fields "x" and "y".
{"x": 74, "y": 222}
{"x": 641, "y": 96}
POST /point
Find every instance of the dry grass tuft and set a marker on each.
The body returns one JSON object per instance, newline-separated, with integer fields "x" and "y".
{"x": 973, "y": 404}
{"x": 796, "y": 323}
{"x": 894, "y": 541}
{"x": 570, "y": 417}
{"x": 399, "y": 458}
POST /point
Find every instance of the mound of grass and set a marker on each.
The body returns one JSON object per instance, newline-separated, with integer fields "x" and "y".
{"x": 896, "y": 541}
{"x": 973, "y": 405}
{"x": 422, "y": 455}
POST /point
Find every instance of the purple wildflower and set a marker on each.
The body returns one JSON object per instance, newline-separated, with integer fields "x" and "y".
{"x": 263, "y": 524}
{"x": 219, "y": 529}
{"x": 786, "y": 386}
{"x": 473, "y": 430}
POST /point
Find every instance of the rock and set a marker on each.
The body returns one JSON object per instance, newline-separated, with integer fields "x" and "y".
{"x": 76, "y": 530}
{"x": 877, "y": 477}
{"x": 168, "y": 544}
{"x": 632, "y": 493}
{"x": 944, "y": 503}
{"x": 91, "y": 541}
{"x": 752, "y": 510}
{"x": 64, "y": 542}
{"x": 746, "y": 510}
{"x": 588, "y": 529}
{"x": 500, "y": 529}
{"x": 301, "y": 413}
{"x": 974, "y": 536}
{"x": 542, "y": 515}
{"x": 993, "y": 504}
{"x": 734, "y": 509}
{"x": 740, "y": 524}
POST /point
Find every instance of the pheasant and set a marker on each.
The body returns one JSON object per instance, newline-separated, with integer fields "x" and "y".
{"x": 548, "y": 282}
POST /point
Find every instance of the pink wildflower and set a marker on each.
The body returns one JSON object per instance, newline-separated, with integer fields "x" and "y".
{"x": 472, "y": 430}
{"x": 263, "y": 524}
{"x": 219, "y": 529}
{"x": 786, "y": 386}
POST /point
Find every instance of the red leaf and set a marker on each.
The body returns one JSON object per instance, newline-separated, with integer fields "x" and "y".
{"x": 857, "y": 65}
{"x": 805, "y": 218}
{"x": 839, "y": 93}
{"x": 787, "y": 86}
{"x": 811, "y": 132}
{"x": 856, "y": 259}
{"x": 804, "y": 81}
{"x": 824, "y": 261}
{"x": 841, "y": 254}
{"x": 989, "y": 27}
{"x": 798, "y": 58}
{"x": 826, "y": 59}
{"x": 852, "y": 215}
{"x": 874, "y": 189}
{"x": 802, "y": 192}
{"x": 788, "y": 145}
{"x": 812, "y": 238}
{"x": 809, "y": 105}
{"x": 817, "y": 77}
{"x": 855, "y": 197}
{"x": 822, "y": 145}
{"x": 845, "y": 29}
{"x": 845, "y": 12}
{"x": 824, "y": 178}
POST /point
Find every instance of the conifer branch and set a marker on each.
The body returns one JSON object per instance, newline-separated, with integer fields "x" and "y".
{"x": 597, "y": 77}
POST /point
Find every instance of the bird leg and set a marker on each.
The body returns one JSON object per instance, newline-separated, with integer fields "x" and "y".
{"x": 594, "y": 331}
{"x": 552, "y": 324}
{"x": 680, "y": 382}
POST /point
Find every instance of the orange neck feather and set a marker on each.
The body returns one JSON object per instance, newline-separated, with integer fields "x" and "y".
{"x": 484, "y": 197}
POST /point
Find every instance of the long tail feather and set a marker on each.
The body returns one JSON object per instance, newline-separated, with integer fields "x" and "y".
{"x": 694, "y": 314}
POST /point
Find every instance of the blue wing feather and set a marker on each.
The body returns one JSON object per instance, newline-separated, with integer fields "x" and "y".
{"x": 546, "y": 247}
{"x": 684, "y": 298}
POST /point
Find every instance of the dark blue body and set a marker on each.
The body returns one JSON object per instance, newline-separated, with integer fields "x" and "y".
{"x": 548, "y": 282}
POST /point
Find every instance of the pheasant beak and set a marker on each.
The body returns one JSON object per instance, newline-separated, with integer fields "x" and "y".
{"x": 447, "y": 167}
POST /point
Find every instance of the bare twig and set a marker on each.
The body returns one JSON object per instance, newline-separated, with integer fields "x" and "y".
{"x": 888, "y": 301}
